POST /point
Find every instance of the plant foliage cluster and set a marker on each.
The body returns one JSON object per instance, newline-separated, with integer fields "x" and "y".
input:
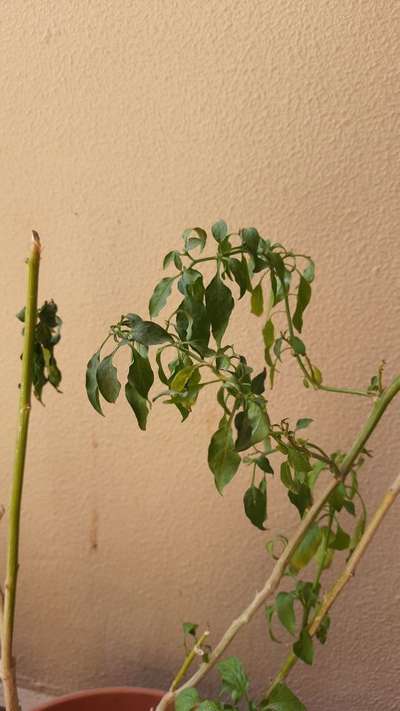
{"x": 192, "y": 353}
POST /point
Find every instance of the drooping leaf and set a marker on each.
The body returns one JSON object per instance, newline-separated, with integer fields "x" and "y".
{"x": 219, "y": 305}
{"x": 263, "y": 462}
{"x": 324, "y": 554}
{"x": 92, "y": 388}
{"x": 234, "y": 678}
{"x": 303, "y": 299}
{"x": 138, "y": 380}
{"x": 307, "y": 548}
{"x": 219, "y": 230}
{"x": 304, "y": 647}
{"x": 223, "y": 460}
{"x": 160, "y": 295}
{"x": 186, "y": 700}
{"x": 255, "y": 504}
{"x": 258, "y": 383}
{"x": 194, "y": 237}
{"x": 301, "y": 498}
{"x": 149, "y": 333}
{"x": 240, "y": 271}
{"x": 257, "y": 300}
{"x": 283, "y": 699}
{"x": 285, "y": 611}
{"x": 107, "y": 379}
{"x": 174, "y": 257}
{"x": 142, "y": 373}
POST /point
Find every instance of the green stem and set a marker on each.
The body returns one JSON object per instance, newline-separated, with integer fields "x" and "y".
{"x": 346, "y": 391}
{"x": 18, "y": 474}
{"x": 342, "y": 580}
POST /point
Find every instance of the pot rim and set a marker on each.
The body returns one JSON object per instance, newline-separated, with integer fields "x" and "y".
{"x": 101, "y": 691}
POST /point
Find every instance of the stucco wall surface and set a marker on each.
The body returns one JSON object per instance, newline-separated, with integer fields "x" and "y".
{"x": 122, "y": 123}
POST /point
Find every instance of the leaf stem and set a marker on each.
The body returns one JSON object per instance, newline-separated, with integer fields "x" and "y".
{"x": 7, "y": 629}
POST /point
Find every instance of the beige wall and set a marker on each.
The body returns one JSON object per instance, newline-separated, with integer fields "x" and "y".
{"x": 121, "y": 124}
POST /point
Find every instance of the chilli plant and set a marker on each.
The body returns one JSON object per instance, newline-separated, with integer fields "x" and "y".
{"x": 192, "y": 354}
{"x": 41, "y": 334}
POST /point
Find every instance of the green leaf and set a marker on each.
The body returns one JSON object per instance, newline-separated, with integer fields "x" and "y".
{"x": 341, "y": 540}
{"x": 234, "y": 679}
{"x": 299, "y": 461}
{"x": 257, "y": 300}
{"x": 301, "y": 498}
{"x": 138, "y": 383}
{"x": 107, "y": 379}
{"x": 174, "y": 257}
{"x": 219, "y": 230}
{"x": 258, "y": 383}
{"x": 259, "y": 422}
{"x": 223, "y": 460}
{"x": 194, "y": 237}
{"x": 142, "y": 373}
{"x": 285, "y": 610}
{"x": 219, "y": 305}
{"x": 322, "y": 631}
{"x": 349, "y": 506}
{"x": 303, "y": 299}
{"x": 263, "y": 462}
{"x": 149, "y": 333}
{"x": 324, "y": 554}
{"x": 298, "y": 345}
{"x": 209, "y": 705}
{"x": 189, "y": 628}
{"x": 283, "y": 699}
{"x": 309, "y": 272}
{"x": 161, "y": 372}
{"x": 357, "y": 533}
{"x": 186, "y": 700}
{"x": 251, "y": 239}
{"x": 240, "y": 271}
{"x": 160, "y": 296}
{"x": 181, "y": 378}
{"x": 304, "y": 647}
{"x": 313, "y": 474}
{"x": 307, "y": 548}
{"x": 337, "y": 497}
{"x": 286, "y": 477}
{"x": 303, "y": 423}
{"x": 255, "y": 505}
{"x": 92, "y": 388}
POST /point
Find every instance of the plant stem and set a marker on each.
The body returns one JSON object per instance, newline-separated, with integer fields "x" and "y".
{"x": 7, "y": 630}
{"x": 278, "y": 571}
{"x": 189, "y": 660}
{"x": 343, "y": 579}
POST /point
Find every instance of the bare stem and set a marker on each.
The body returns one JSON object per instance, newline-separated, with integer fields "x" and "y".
{"x": 278, "y": 571}
{"x": 10, "y": 589}
{"x": 347, "y": 574}
{"x": 189, "y": 659}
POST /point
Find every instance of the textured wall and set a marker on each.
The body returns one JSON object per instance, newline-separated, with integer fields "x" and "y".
{"x": 121, "y": 124}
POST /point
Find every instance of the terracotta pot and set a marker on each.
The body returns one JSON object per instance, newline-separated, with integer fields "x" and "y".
{"x": 112, "y": 699}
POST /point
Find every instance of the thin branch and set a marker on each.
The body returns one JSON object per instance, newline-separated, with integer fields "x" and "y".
{"x": 347, "y": 574}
